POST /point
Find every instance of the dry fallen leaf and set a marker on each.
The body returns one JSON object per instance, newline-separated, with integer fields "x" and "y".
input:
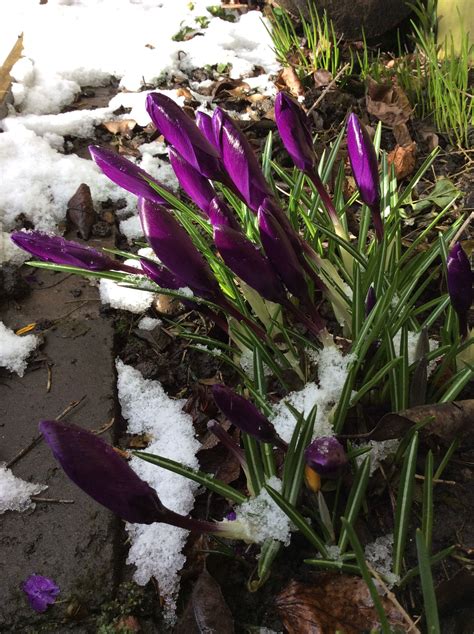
{"x": 322, "y": 78}
{"x": 403, "y": 160}
{"x": 80, "y": 211}
{"x": 333, "y": 603}
{"x": 287, "y": 78}
{"x": 123, "y": 127}
{"x": 388, "y": 103}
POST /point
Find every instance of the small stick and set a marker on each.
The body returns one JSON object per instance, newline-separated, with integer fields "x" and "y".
{"x": 51, "y": 500}
{"x": 462, "y": 227}
{"x": 327, "y": 89}
{"x": 38, "y": 438}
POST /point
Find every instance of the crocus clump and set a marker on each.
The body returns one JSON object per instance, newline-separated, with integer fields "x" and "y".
{"x": 460, "y": 285}
{"x": 41, "y": 592}
{"x": 326, "y": 456}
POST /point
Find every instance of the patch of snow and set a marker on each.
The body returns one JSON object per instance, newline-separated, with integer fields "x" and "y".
{"x": 15, "y": 349}
{"x": 378, "y": 452}
{"x": 9, "y": 252}
{"x": 262, "y": 519}
{"x": 379, "y": 555}
{"x": 131, "y": 228}
{"x": 149, "y": 323}
{"x": 15, "y": 494}
{"x": 413, "y": 338}
{"x": 79, "y": 123}
{"x": 120, "y": 297}
{"x": 156, "y": 549}
{"x": 332, "y": 374}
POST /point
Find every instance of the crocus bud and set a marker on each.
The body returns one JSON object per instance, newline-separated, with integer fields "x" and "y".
{"x": 97, "y": 469}
{"x": 281, "y": 253}
{"x": 365, "y": 169}
{"x": 244, "y": 415}
{"x": 221, "y": 215}
{"x": 248, "y": 263}
{"x": 460, "y": 285}
{"x": 67, "y": 252}
{"x": 181, "y": 132}
{"x": 240, "y": 161}
{"x": 204, "y": 123}
{"x": 326, "y": 456}
{"x": 126, "y": 174}
{"x": 293, "y": 127}
{"x": 175, "y": 249}
{"x": 160, "y": 275}
{"x": 370, "y": 301}
{"x": 197, "y": 187}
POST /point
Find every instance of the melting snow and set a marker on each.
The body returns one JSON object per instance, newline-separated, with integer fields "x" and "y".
{"x": 15, "y": 493}
{"x": 15, "y": 349}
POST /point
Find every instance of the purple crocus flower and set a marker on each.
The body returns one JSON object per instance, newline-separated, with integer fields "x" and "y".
{"x": 160, "y": 275}
{"x": 370, "y": 300}
{"x": 197, "y": 187}
{"x": 181, "y": 132}
{"x": 221, "y": 215}
{"x": 126, "y": 174}
{"x": 460, "y": 285}
{"x": 281, "y": 253}
{"x": 293, "y": 127}
{"x": 66, "y": 252}
{"x": 248, "y": 263}
{"x": 41, "y": 592}
{"x": 365, "y": 169}
{"x": 326, "y": 456}
{"x": 99, "y": 470}
{"x": 175, "y": 249}
{"x": 244, "y": 415}
{"x": 204, "y": 123}
{"x": 240, "y": 161}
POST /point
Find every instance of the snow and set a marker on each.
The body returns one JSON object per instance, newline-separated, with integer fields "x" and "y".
{"x": 120, "y": 297}
{"x": 379, "y": 450}
{"x": 149, "y": 323}
{"x": 15, "y": 494}
{"x": 156, "y": 549}
{"x": 262, "y": 519}
{"x": 15, "y": 349}
{"x": 379, "y": 555}
{"x": 332, "y": 374}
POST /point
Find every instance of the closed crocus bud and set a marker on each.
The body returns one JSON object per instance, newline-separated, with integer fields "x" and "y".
{"x": 460, "y": 285}
{"x": 197, "y": 187}
{"x": 293, "y": 127}
{"x": 160, "y": 275}
{"x": 66, "y": 252}
{"x": 281, "y": 253}
{"x": 365, "y": 169}
{"x": 240, "y": 161}
{"x": 97, "y": 469}
{"x": 326, "y": 456}
{"x": 244, "y": 415}
{"x": 221, "y": 215}
{"x": 175, "y": 249}
{"x": 204, "y": 123}
{"x": 248, "y": 263}
{"x": 126, "y": 174}
{"x": 370, "y": 301}
{"x": 181, "y": 132}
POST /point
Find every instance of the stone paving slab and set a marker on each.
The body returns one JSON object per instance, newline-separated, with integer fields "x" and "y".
{"x": 71, "y": 543}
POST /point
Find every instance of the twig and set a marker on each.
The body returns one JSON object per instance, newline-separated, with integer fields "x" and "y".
{"x": 105, "y": 427}
{"x": 462, "y": 227}
{"x": 51, "y": 500}
{"x": 393, "y": 599}
{"x": 435, "y": 481}
{"x": 37, "y": 439}
{"x": 328, "y": 88}
{"x": 50, "y": 377}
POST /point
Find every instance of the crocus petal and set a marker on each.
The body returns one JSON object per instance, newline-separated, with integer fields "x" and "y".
{"x": 460, "y": 285}
{"x": 370, "y": 300}
{"x": 181, "y": 132}
{"x": 240, "y": 161}
{"x": 221, "y": 215}
{"x": 96, "y": 468}
{"x": 204, "y": 123}
{"x": 326, "y": 456}
{"x": 175, "y": 249}
{"x": 67, "y": 252}
{"x": 126, "y": 174}
{"x": 293, "y": 126}
{"x": 41, "y": 592}
{"x": 248, "y": 263}
{"x": 160, "y": 275}
{"x": 363, "y": 161}
{"x": 281, "y": 254}
{"x": 197, "y": 187}
{"x": 244, "y": 415}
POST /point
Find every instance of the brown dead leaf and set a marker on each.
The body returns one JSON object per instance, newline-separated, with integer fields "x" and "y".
{"x": 322, "y": 78}
{"x": 403, "y": 160}
{"x": 333, "y": 603}
{"x": 402, "y": 134}
{"x": 184, "y": 92}
{"x": 388, "y": 103}
{"x": 123, "y": 127}
{"x": 80, "y": 211}
{"x": 140, "y": 441}
{"x": 289, "y": 80}
{"x": 429, "y": 137}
